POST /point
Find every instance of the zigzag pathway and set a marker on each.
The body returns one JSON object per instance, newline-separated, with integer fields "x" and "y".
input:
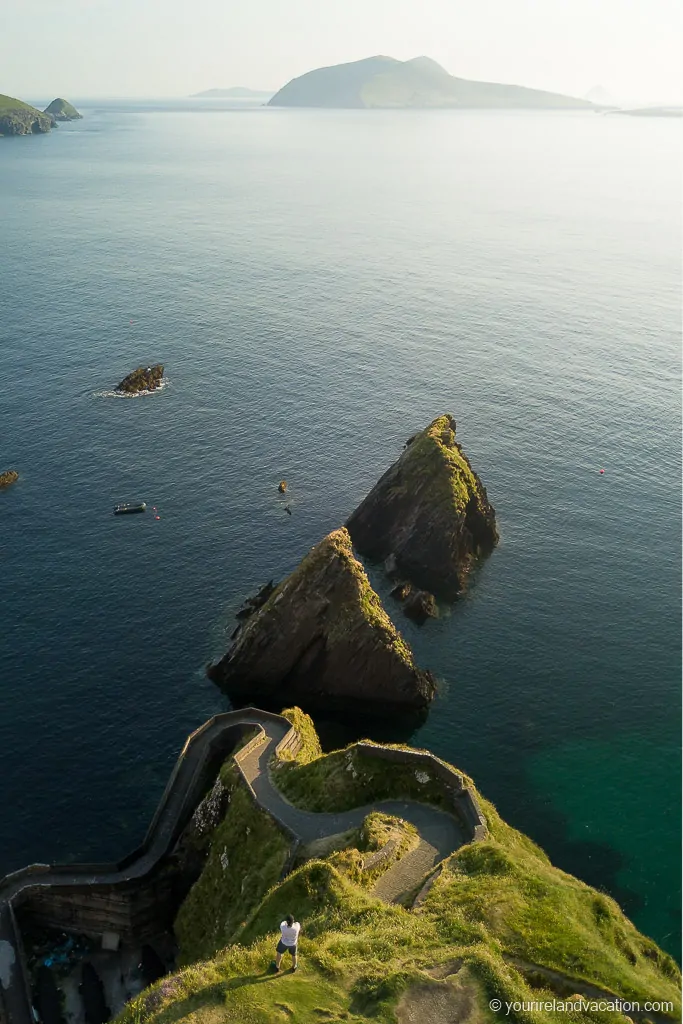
{"x": 439, "y": 834}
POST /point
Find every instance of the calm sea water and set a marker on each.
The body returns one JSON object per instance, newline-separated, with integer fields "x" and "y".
{"x": 319, "y": 286}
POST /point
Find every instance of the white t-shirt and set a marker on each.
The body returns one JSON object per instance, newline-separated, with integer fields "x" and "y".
{"x": 290, "y": 933}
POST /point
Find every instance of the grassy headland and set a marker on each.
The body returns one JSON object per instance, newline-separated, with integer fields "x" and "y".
{"x": 499, "y": 922}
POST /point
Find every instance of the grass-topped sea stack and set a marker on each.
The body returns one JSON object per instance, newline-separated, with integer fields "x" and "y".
{"x": 145, "y": 378}
{"x": 323, "y": 638}
{"x": 62, "y": 110}
{"x": 429, "y": 511}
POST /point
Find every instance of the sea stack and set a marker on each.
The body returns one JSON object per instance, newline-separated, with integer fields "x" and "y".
{"x": 429, "y": 515}
{"x": 62, "y": 110}
{"x": 145, "y": 378}
{"x": 323, "y": 639}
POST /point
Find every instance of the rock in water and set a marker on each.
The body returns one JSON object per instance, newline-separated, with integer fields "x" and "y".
{"x": 8, "y": 477}
{"x": 429, "y": 510}
{"x": 282, "y": 486}
{"x": 62, "y": 110}
{"x": 145, "y": 378}
{"x": 421, "y": 606}
{"x": 323, "y": 638}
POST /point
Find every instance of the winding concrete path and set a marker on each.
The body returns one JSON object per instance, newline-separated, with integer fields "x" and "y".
{"x": 440, "y": 834}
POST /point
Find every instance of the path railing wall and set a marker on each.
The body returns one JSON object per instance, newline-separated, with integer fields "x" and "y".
{"x": 123, "y": 895}
{"x": 459, "y": 796}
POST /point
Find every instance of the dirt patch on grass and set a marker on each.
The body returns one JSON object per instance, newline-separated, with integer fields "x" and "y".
{"x": 445, "y": 1003}
{"x": 445, "y": 970}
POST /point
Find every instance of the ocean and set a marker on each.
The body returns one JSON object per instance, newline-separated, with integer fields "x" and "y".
{"x": 320, "y": 285}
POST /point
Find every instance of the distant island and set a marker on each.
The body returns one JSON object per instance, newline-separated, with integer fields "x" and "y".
{"x": 235, "y": 92}
{"x": 62, "y": 110}
{"x": 651, "y": 112}
{"x": 383, "y": 82}
{"x": 19, "y": 118}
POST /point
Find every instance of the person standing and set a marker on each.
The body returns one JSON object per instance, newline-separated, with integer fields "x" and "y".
{"x": 289, "y": 937}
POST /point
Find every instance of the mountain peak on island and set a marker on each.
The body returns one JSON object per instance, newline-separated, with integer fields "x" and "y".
{"x": 384, "y": 82}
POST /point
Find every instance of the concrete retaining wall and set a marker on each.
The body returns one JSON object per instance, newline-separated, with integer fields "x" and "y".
{"x": 459, "y": 796}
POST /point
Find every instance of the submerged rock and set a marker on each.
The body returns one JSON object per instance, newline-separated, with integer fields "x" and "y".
{"x": 324, "y": 638}
{"x": 421, "y": 606}
{"x": 8, "y": 477}
{"x": 430, "y": 511}
{"x": 145, "y": 378}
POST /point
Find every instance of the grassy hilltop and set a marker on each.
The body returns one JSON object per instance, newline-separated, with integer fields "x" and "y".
{"x": 499, "y": 921}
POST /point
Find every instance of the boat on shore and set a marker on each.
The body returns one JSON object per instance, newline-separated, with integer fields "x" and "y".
{"x": 126, "y": 508}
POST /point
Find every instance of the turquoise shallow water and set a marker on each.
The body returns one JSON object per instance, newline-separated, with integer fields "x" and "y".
{"x": 319, "y": 285}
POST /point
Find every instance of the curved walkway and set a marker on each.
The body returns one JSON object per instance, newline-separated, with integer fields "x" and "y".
{"x": 440, "y": 835}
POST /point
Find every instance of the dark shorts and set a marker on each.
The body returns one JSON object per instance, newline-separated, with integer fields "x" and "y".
{"x": 281, "y": 948}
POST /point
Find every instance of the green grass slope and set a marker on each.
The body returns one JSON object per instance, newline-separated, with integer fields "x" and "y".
{"x": 499, "y": 922}
{"x": 9, "y": 104}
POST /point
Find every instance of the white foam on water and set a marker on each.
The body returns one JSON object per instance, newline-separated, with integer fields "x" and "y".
{"x": 138, "y": 394}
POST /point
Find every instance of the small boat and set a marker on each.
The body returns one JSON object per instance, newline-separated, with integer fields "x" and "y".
{"x": 127, "y": 507}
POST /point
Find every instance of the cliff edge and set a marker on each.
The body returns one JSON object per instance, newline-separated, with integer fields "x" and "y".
{"x": 430, "y": 511}
{"x": 323, "y": 637}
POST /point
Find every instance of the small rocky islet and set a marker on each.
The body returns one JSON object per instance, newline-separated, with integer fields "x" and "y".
{"x": 145, "y": 378}
{"x": 322, "y": 637}
{"x": 19, "y": 118}
{"x": 10, "y": 476}
{"x": 61, "y": 110}
{"x": 428, "y": 517}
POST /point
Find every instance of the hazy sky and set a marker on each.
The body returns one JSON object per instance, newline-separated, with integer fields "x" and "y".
{"x": 80, "y": 48}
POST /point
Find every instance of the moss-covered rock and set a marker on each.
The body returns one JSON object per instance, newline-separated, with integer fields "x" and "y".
{"x": 145, "y": 378}
{"x": 323, "y": 638}
{"x": 19, "y": 118}
{"x": 62, "y": 110}
{"x": 10, "y": 476}
{"x": 420, "y": 606}
{"x": 429, "y": 511}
